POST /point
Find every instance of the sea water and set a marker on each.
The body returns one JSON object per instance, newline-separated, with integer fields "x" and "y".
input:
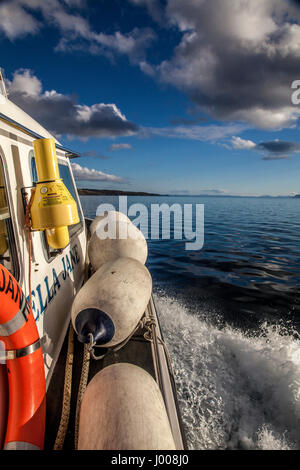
{"x": 230, "y": 315}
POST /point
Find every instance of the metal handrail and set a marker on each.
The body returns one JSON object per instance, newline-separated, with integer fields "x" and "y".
{"x": 6, "y": 119}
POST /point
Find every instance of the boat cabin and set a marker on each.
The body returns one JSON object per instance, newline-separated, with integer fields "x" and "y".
{"x": 56, "y": 275}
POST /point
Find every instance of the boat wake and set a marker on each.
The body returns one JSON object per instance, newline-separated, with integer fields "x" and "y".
{"x": 236, "y": 390}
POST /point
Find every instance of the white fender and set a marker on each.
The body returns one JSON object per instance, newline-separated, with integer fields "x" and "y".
{"x": 123, "y": 409}
{"x": 111, "y": 303}
{"x": 127, "y": 242}
{"x": 110, "y": 214}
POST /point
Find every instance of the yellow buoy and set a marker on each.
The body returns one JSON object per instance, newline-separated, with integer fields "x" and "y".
{"x": 53, "y": 208}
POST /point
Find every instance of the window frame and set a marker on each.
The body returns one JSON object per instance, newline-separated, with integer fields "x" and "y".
{"x": 9, "y": 222}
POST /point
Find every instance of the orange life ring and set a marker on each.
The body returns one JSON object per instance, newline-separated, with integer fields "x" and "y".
{"x": 25, "y": 368}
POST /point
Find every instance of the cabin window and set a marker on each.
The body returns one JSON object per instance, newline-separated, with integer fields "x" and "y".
{"x": 8, "y": 251}
{"x": 66, "y": 176}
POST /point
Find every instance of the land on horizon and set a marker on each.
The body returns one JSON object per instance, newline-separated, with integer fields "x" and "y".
{"x": 112, "y": 192}
{"x": 115, "y": 192}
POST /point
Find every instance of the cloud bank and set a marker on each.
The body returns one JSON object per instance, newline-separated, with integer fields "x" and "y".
{"x": 60, "y": 114}
{"x": 206, "y": 133}
{"x": 236, "y": 59}
{"x": 241, "y": 144}
{"x": 87, "y": 174}
{"x": 20, "y": 18}
{"x": 271, "y": 150}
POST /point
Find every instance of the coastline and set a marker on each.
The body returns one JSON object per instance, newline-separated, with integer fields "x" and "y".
{"x": 112, "y": 192}
{"x": 115, "y": 192}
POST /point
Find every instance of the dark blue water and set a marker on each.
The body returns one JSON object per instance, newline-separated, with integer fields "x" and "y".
{"x": 231, "y": 318}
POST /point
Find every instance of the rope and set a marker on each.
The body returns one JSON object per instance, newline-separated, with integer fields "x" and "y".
{"x": 82, "y": 387}
{"x": 145, "y": 323}
{"x": 150, "y": 335}
{"x": 87, "y": 354}
{"x": 65, "y": 414}
{"x": 167, "y": 356}
{"x": 121, "y": 345}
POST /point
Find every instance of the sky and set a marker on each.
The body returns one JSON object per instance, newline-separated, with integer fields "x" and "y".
{"x": 166, "y": 96}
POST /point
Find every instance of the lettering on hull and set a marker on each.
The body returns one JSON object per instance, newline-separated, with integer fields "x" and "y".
{"x": 44, "y": 292}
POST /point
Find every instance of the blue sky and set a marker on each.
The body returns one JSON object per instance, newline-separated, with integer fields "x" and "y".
{"x": 164, "y": 96}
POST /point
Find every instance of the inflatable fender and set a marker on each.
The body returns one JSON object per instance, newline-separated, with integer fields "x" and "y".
{"x": 111, "y": 303}
{"x": 124, "y": 241}
{"x": 109, "y": 214}
{"x": 123, "y": 409}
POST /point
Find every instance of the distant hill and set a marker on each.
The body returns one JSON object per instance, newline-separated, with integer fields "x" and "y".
{"x": 111, "y": 192}
{"x": 115, "y": 192}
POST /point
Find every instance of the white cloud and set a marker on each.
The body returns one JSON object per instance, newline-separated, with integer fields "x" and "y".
{"x": 271, "y": 150}
{"x": 60, "y": 114}
{"x": 202, "y": 133}
{"x": 281, "y": 117}
{"x": 26, "y": 83}
{"x": 242, "y": 144}
{"x": 132, "y": 44}
{"x": 236, "y": 58}
{"x": 17, "y": 17}
{"x": 68, "y": 23}
{"x": 207, "y": 192}
{"x": 114, "y": 147}
{"x": 76, "y": 3}
{"x": 15, "y": 22}
{"x": 212, "y": 191}
{"x": 147, "y": 68}
{"x": 88, "y": 174}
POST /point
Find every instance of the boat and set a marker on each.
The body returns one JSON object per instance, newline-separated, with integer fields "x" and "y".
{"x": 74, "y": 374}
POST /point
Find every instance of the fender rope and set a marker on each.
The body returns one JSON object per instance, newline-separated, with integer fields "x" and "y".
{"x": 82, "y": 387}
{"x": 65, "y": 413}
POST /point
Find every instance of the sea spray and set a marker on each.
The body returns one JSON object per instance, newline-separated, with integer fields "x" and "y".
{"x": 236, "y": 390}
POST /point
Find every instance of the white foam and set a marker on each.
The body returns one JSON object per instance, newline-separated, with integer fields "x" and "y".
{"x": 235, "y": 390}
